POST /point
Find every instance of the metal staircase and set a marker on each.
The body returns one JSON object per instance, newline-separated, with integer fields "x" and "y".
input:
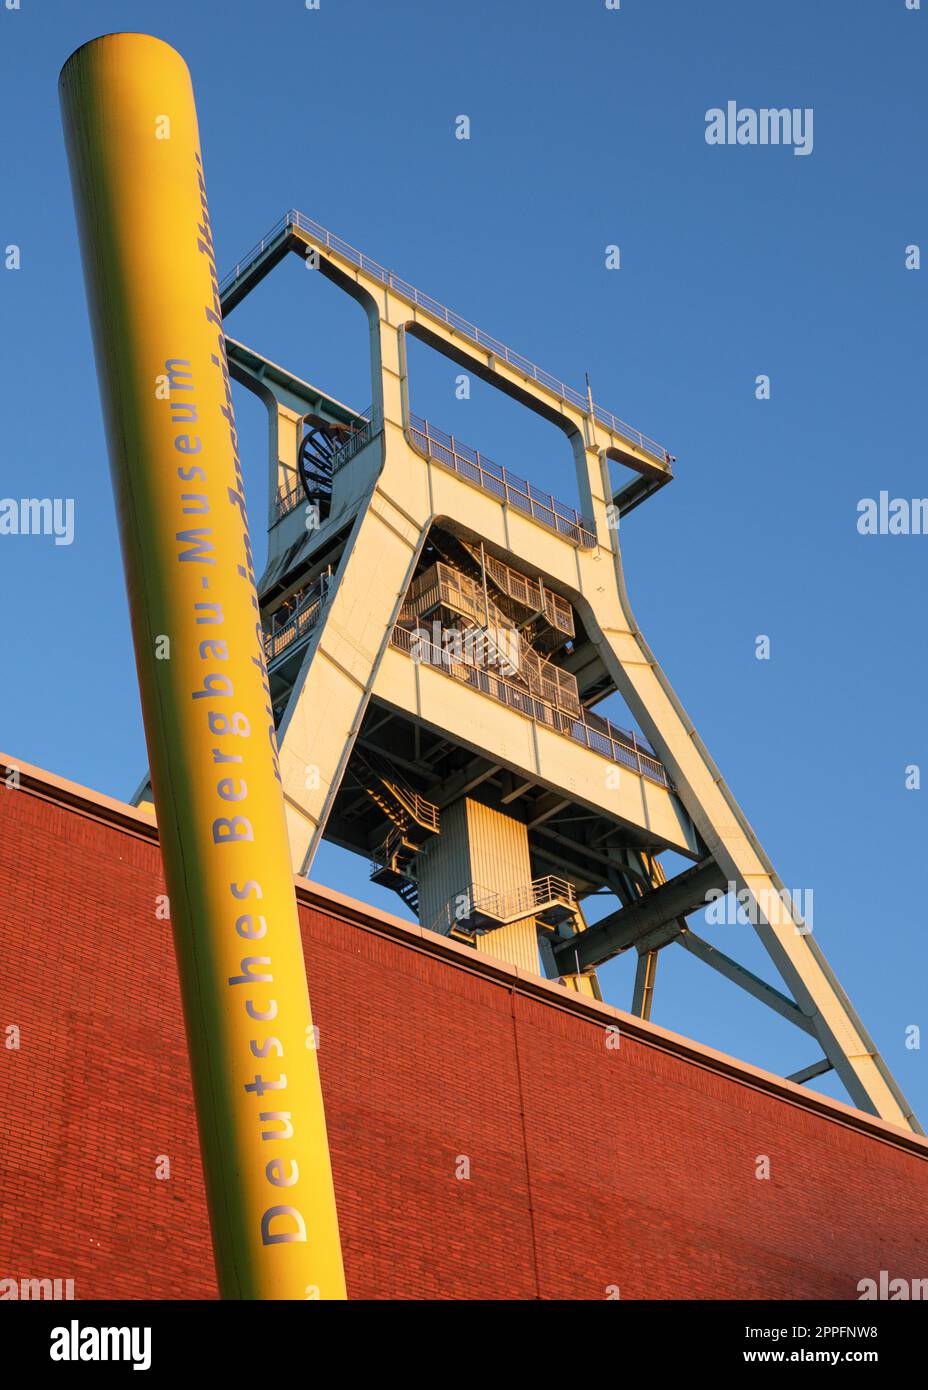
{"x": 400, "y": 802}
{"x": 442, "y": 586}
{"x": 414, "y": 820}
{"x": 515, "y": 591}
{"x": 392, "y": 866}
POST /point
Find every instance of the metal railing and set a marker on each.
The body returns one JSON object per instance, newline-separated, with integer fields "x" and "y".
{"x": 288, "y": 498}
{"x": 530, "y": 593}
{"x": 498, "y": 643}
{"x": 294, "y": 218}
{"x": 379, "y": 767}
{"x": 279, "y": 230}
{"x": 300, "y": 622}
{"x": 507, "y": 904}
{"x": 423, "y": 812}
{"x": 505, "y": 486}
{"x": 293, "y": 494}
{"x": 593, "y": 731}
{"x": 356, "y": 442}
{"x": 389, "y": 854}
{"x": 441, "y": 584}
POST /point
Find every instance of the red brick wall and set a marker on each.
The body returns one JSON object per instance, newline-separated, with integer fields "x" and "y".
{"x": 590, "y": 1167}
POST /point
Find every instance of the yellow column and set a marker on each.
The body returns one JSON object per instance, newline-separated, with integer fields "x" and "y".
{"x": 131, "y": 128}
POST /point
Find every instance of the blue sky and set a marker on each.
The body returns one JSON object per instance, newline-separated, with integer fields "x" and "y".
{"x": 587, "y": 129}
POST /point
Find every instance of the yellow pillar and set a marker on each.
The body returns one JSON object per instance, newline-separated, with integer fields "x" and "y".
{"x": 131, "y": 128}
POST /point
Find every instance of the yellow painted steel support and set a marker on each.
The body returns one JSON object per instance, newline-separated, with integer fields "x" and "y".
{"x": 137, "y": 174}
